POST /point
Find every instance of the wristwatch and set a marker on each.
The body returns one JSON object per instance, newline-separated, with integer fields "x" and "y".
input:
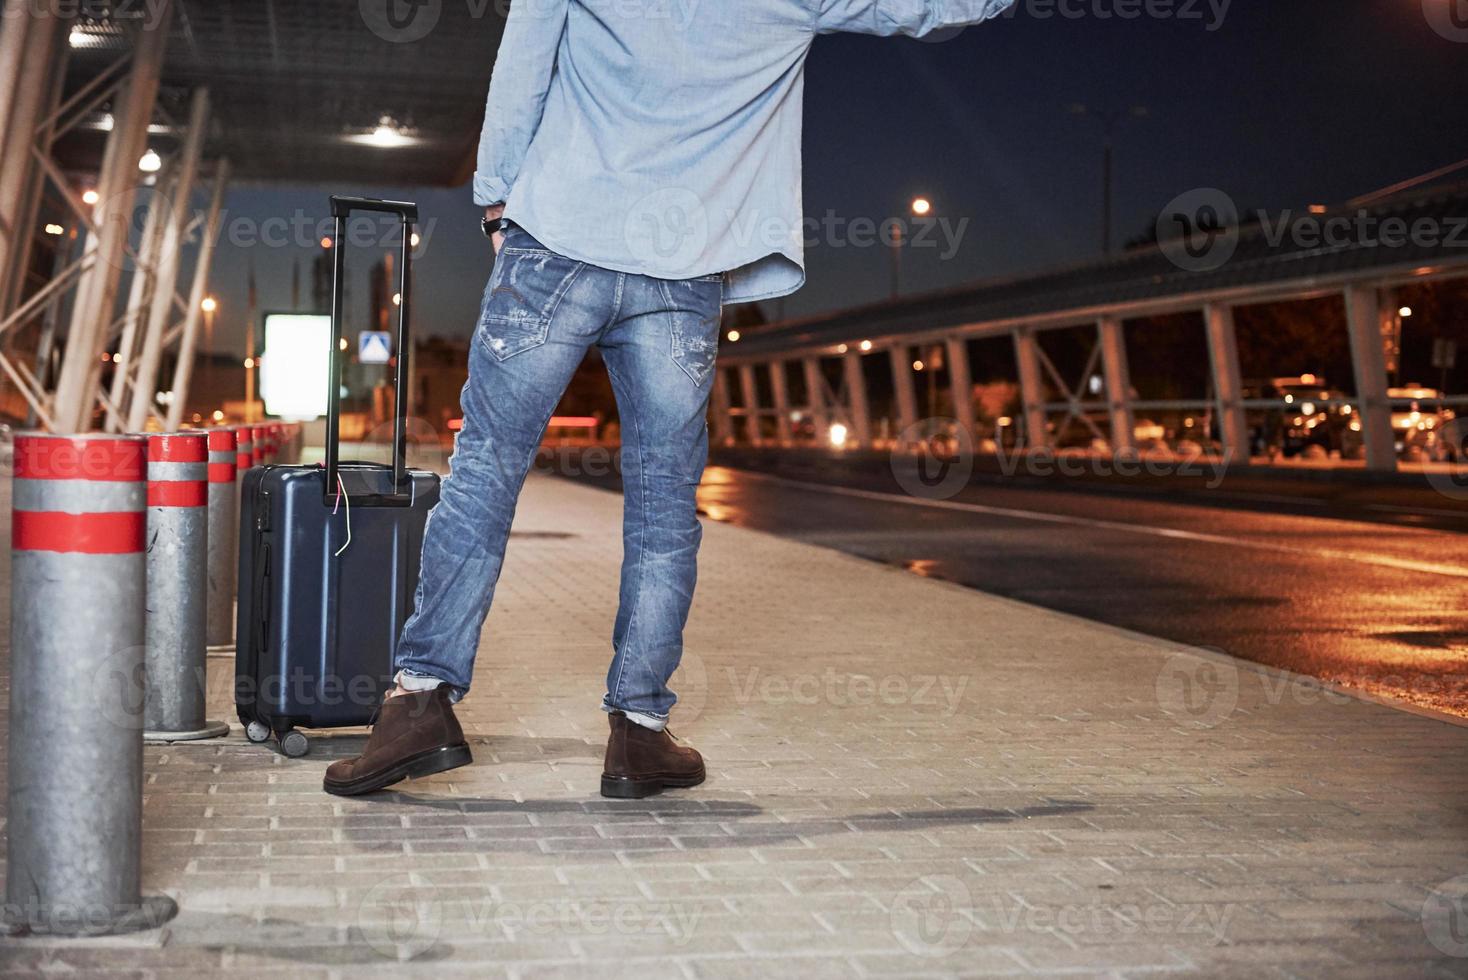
{"x": 491, "y": 226}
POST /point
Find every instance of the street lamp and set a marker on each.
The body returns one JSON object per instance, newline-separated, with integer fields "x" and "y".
{"x": 920, "y": 207}
{"x": 209, "y": 305}
{"x": 1109, "y": 119}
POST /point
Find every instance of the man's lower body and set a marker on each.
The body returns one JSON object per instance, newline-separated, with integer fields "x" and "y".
{"x": 658, "y": 338}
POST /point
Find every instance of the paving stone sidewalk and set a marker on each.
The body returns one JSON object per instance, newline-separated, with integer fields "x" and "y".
{"x": 907, "y": 778}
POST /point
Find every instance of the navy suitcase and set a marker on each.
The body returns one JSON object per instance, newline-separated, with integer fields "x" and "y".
{"x": 328, "y": 558}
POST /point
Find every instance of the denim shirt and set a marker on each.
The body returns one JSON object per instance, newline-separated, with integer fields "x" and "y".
{"x": 662, "y": 137}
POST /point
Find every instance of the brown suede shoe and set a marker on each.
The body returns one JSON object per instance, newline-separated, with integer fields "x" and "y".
{"x": 415, "y": 735}
{"x": 641, "y": 762}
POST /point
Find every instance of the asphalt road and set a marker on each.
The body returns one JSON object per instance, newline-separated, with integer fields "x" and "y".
{"x": 1364, "y": 586}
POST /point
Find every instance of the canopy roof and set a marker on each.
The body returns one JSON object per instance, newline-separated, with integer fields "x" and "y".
{"x": 298, "y": 85}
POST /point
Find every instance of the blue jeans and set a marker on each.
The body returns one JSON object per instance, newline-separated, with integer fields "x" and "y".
{"x": 658, "y": 338}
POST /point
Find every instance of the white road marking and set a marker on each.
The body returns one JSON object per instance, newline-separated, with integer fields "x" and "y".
{"x": 1332, "y": 554}
{"x": 1429, "y": 511}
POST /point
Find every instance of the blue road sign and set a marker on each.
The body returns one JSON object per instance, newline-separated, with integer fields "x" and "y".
{"x": 374, "y": 347}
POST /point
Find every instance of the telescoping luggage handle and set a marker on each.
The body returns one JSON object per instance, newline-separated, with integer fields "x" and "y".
{"x": 341, "y": 210}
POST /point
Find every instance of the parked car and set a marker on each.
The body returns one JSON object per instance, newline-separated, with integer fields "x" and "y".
{"x": 1309, "y": 413}
{"x": 1419, "y": 422}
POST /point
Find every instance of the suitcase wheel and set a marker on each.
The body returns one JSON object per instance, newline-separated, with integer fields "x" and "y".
{"x": 257, "y": 732}
{"x": 294, "y": 744}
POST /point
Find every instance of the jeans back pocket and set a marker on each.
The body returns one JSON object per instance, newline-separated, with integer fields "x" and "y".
{"x": 695, "y": 308}
{"x": 526, "y": 288}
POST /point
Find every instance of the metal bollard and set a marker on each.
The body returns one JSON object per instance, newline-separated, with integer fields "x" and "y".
{"x": 263, "y": 453}
{"x": 244, "y": 438}
{"x": 178, "y": 553}
{"x": 76, "y": 685}
{"x": 223, "y": 530}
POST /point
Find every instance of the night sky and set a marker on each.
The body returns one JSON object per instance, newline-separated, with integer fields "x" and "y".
{"x": 1283, "y": 103}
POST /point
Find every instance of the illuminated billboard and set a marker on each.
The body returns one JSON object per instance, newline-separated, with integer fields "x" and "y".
{"x": 295, "y": 366}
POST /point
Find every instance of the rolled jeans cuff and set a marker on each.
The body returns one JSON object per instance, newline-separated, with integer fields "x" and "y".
{"x": 412, "y": 680}
{"x": 655, "y": 722}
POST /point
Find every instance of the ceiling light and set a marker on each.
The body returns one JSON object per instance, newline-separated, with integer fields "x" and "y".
{"x": 387, "y": 135}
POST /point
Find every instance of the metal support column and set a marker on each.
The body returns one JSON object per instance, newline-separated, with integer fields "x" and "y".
{"x": 97, "y": 287}
{"x": 1228, "y": 385}
{"x": 1368, "y": 361}
{"x": 13, "y": 52}
{"x": 1118, "y": 384}
{"x": 170, "y": 255}
{"x": 780, "y": 395}
{"x": 856, "y": 399}
{"x": 1031, "y": 388}
{"x": 721, "y": 417}
{"x": 183, "y": 371}
{"x": 135, "y": 313}
{"x": 815, "y": 397}
{"x": 961, "y": 381}
{"x": 25, "y": 102}
{"x": 901, "y": 361}
{"x": 750, "y": 392}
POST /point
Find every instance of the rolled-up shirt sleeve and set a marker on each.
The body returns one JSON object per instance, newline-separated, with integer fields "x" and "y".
{"x": 911, "y": 17}
{"x": 517, "y": 91}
